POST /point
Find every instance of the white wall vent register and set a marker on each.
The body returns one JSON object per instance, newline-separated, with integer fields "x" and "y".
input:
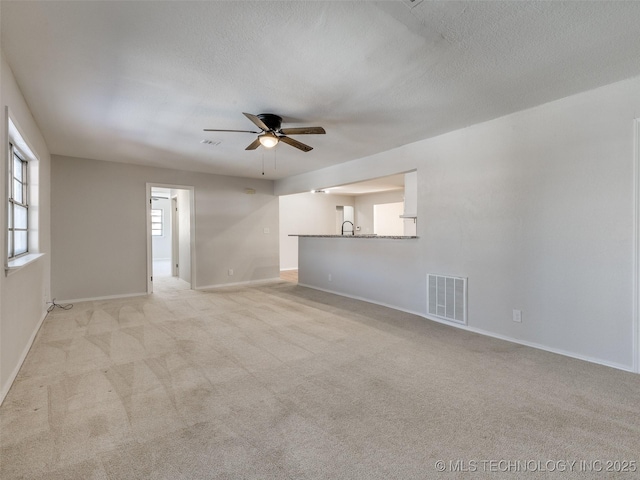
{"x": 447, "y": 298}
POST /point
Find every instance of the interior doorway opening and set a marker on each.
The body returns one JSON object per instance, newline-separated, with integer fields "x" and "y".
{"x": 163, "y": 224}
{"x": 170, "y": 235}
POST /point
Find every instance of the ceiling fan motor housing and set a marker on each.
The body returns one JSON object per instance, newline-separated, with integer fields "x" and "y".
{"x": 274, "y": 122}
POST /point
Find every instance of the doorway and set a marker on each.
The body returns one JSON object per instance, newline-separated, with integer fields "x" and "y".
{"x": 170, "y": 236}
{"x": 387, "y": 219}
{"x": 162, "y": 237}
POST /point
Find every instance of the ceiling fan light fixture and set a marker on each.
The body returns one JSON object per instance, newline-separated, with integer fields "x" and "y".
{"x": 268, "y": 140}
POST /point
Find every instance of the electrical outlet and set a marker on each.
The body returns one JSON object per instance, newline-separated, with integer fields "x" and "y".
{"x": 330, "y": 279}
{"x": 230, "y": 272}
{"x": 266, "y": 230}
{"x": 517, "y": 316}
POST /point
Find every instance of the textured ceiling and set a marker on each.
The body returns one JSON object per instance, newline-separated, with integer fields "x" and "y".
{"x": 139, "y": 81}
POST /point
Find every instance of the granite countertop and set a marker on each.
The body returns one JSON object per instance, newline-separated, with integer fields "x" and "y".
{"x": 397, "y": 237}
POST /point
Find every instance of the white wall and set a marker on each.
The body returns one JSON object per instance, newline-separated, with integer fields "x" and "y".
{"x": 23, "y": 293}
{"x": 365, "y": 268}
{"x": 364, "y": 207}
{"x": 99, "y": 227}
{"x": 537, "y": 210}
{"x": 306, "y": 214}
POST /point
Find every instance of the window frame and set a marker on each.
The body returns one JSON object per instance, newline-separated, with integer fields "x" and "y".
{"x": 15, "y": 137}
{"x": 12, "y": 201}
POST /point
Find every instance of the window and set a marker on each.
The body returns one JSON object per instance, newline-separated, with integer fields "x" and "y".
{"x": 18, "y": 211}
{"x": 23, "y": 201}
{"x": 157, "y": 226}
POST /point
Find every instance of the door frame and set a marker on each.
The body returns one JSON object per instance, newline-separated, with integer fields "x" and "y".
{"x": 636, "y": 245}
{"x": 175, "y": 240}
{"x": 192, "y": 232}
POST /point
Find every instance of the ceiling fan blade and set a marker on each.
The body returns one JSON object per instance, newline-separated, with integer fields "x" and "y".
{"x": 217, "y": 130}
{"x": 303, "y": 131}
{"x": 295, "y": 143}
{"x": 255, "y": 119}
{"x": 253, "y": 145}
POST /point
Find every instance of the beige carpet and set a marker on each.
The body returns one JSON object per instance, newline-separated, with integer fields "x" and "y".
{"x": 283, "y": 382}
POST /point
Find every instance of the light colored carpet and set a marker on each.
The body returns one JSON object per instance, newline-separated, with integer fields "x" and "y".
{"x": 279, "y": 381}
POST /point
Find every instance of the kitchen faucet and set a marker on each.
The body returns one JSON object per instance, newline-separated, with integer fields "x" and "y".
{"x": 353, "y": 230}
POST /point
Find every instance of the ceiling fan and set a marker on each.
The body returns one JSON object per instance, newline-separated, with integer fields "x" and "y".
{"x": 271, "y": 132}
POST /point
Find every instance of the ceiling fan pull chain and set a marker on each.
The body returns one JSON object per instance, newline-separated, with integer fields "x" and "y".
{"x": 263, "y": 162}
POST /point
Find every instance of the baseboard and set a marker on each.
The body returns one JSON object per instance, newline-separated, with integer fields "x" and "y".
{"x": 586, "y": 358}
{"x": 363, "y": 299}
{"x": 238, "y": 284}
{"x": 538, "y": 346}
{"x": 288, "y": 269}
{"x": 107, "y": 297}
{"x": 7, "y": 386}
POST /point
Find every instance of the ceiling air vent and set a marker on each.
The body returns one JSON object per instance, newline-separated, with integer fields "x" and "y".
{"x": 412, "y": 3}
{"x": 213, "y": 143}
